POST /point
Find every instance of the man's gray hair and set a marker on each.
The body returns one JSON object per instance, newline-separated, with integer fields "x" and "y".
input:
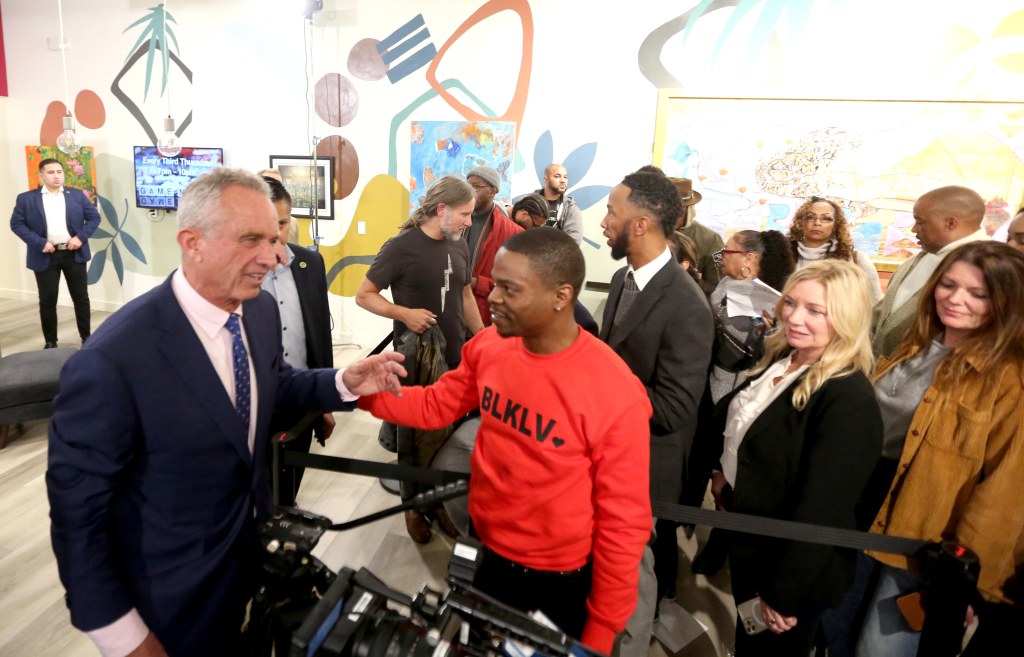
{"x": 195, "y": 209}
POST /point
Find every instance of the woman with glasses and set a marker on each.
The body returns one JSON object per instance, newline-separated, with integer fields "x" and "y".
{"x": 754, "y": 267}
{"x": 820, "y": 231}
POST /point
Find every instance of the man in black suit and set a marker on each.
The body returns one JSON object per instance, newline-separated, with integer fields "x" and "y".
{"x": 56, "y": 223}
{"x": 299, "y": 284}
{"x": 156, "y": 475}
{"x": 658, "y": 320}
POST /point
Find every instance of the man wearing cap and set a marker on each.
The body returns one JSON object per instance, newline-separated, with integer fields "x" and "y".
{"x": 489, "y": 230}
{"x": 563, "y": 213}
{"x": 707, "y": 240}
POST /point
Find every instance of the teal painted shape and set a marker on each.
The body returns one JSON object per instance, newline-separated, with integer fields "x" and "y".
{"x": 543, "y": 154}
{"x": 578, "y": 162}
{"x": 156, "y": 31}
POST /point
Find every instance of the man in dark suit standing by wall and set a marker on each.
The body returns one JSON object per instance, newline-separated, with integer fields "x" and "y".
{"x": 56, "y": 224}
{"x": 157, "y": 474}
{"x": 658, "y": 320}
{"x": 299, "y": 285}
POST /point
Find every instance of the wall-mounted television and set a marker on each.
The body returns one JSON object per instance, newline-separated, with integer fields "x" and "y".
{"x": 159, "y": 180}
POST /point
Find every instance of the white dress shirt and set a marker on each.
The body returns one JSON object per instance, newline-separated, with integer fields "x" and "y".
{"x": 644, "y": 275}
{"x": 747, "y": 406}
{"x": 55, "y": 209}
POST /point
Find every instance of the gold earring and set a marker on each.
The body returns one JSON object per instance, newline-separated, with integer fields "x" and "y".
{"x": 745, "y": 274}
{"x": 558, "y": 309}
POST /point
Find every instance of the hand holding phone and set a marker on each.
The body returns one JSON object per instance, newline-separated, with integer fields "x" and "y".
{"x": 751, "y": 616}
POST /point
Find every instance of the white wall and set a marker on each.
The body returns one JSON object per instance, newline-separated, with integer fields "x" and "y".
{"x": 248, "y": 93}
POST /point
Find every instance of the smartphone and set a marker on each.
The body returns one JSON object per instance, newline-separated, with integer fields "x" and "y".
{"x": 750, "y": 615}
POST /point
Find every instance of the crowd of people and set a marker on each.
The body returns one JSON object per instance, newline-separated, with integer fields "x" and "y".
{"x": 766, "y": 367}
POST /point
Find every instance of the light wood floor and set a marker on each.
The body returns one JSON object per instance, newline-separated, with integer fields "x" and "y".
{"x": 35, "y": 620}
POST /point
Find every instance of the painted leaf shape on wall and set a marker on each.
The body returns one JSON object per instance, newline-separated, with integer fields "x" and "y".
{"x": 96, "y": 267}
{"x": 107, "y": 208}
{"x": 133, "y": 246}
{"x": 100, "y": 234}
{"x": 543, "y": 154}
{"x": 579, "y": 161}
{"x": 589, "y": 195}
{"x": 115, "y": 257}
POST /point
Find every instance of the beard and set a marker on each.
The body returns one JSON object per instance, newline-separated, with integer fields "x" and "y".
{"x": 620, "y": 244}
{"x": 553, "y": 188}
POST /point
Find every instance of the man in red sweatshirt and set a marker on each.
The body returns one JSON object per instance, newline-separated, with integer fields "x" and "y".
{"x": 560, "y": 469}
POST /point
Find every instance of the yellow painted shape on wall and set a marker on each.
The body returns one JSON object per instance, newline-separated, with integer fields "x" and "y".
{"x": 383, "y": 206}
{"x": 1012, "y": 25}
{"x": 975, "y": 159}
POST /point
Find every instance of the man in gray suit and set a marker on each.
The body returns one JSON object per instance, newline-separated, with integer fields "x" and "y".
{"x": 944, "y": 218}
{"x": 659, "y": 322}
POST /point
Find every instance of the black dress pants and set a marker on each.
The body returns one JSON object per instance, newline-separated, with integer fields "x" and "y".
{"x": 48, "y": 284}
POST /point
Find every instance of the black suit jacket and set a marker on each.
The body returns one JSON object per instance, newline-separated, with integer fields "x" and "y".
{"x": 311, "y": 282}
{"x": 665, "y": 338}
{"x": 808, "y": 466}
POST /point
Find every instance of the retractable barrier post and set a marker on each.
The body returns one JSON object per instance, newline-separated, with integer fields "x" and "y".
{"x": 952, "y": 586}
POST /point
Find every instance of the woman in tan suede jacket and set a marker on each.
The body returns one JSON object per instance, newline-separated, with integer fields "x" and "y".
{"x": 958, "y": 379}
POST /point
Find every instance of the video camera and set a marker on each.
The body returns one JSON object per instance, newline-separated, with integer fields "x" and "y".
{"x": 356, "y": 614}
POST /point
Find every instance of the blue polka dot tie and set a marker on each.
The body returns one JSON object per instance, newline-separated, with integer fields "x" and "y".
{"x": 241, "y": 362}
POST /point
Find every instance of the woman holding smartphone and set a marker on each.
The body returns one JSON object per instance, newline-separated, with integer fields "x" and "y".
{"x": 952, "y": 396}
{"x": 800, "y": 440}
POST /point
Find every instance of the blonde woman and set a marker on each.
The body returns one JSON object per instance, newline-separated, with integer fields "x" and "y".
{"x": 799, "y": 443}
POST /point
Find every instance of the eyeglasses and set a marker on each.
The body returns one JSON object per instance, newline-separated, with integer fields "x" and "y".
{"x": 814, "y": 219}
{"x": 717, "y": 255}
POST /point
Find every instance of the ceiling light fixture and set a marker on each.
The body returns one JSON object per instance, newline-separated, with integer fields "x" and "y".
{"x": 168, "y": 144}
{"x": 68, "y": 141}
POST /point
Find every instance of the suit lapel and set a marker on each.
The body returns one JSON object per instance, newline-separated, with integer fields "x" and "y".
{"x": 897, "y": 279}
{"x": 614, "y": 292}
{"x": 644, "y": 303}
{"x": 187, "y": 359}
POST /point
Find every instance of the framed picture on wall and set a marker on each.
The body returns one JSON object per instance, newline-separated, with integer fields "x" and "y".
{"x": 307, "y": 190}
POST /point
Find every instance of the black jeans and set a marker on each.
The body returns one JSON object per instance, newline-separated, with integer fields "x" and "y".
{"x": 561, "y": 596}
{"x": 48, "y": 284}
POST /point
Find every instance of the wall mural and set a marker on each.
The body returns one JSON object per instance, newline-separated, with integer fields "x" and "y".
{"x": 348, "y": 260}
{"x": 756, "y": 160}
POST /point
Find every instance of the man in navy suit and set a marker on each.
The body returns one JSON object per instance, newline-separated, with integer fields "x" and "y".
{"x": 157, "y": 474}
{"x": 56, "y": 223}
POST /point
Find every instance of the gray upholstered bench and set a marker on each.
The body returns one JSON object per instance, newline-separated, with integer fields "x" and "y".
{"x": 28, "y": 384}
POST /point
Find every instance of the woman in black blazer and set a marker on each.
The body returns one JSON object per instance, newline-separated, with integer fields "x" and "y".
{"x": 799, "y": 443}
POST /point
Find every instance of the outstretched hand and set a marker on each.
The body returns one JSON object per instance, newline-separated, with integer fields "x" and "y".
{"x": 375, "y": 374}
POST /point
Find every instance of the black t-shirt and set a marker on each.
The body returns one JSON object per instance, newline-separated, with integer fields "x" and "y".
{"x": 426, "y": 273}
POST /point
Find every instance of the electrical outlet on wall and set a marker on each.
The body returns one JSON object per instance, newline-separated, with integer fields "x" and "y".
{"x": 361, "y": 227}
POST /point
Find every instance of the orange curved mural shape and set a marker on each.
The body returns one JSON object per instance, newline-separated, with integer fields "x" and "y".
{"x": 51, "y": 126}
{"x": 89, "y": 109}
{"x": 517, "y": 106}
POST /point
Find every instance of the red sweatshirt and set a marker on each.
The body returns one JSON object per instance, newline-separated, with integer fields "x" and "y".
{"x": 561, "y": 463}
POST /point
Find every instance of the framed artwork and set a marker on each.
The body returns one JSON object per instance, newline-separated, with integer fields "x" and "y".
{"x": 755, "y": 160}
{"x": 79, "y": 169}
{"x": 442, "y": 148}
{"x": 306, "y": 189}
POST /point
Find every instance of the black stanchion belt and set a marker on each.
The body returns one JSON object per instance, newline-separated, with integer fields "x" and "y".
{"x": 737, "y": 522}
